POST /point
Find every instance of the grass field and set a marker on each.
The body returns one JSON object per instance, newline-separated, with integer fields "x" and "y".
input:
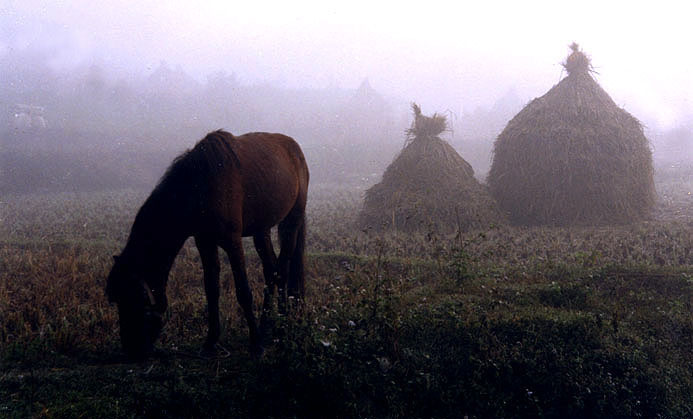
{"x": 500, "y": 322}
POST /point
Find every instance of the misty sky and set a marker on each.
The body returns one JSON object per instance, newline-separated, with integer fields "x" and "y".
{"x": 446, "y": 55}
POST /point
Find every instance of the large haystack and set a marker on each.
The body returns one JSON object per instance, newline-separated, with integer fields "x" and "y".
{"x": 428, "y": 187}
{"x": 573, "y": 156}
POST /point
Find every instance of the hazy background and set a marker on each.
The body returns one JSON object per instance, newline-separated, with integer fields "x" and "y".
{"x": 124, "y": 86}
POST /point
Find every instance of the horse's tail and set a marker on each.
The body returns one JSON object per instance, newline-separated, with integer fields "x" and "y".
{"x": 297, "y": 261}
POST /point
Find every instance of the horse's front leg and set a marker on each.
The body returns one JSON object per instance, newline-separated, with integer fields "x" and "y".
{"x": 209, "y": 255}
{"x": 234, "y": 249}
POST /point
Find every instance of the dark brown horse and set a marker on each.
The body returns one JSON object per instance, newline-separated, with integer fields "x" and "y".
{"x": 223, "y": 189}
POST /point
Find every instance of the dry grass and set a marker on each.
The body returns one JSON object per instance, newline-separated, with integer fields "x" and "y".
{"x": 577, "y": 61}
{"x": 426, "y": 126}
{"x": 592, "y": 320}
{"x": 573, "y": 157}
{"x": 428, "y": 187}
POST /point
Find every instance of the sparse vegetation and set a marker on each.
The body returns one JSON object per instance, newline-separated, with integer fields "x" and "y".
{"x": 495, "y": 322}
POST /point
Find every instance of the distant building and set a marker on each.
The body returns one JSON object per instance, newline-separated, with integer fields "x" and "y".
{"x": 28, "y": 117}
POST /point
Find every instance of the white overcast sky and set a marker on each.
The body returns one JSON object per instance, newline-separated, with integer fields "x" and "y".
{"x": 448, "y": 55}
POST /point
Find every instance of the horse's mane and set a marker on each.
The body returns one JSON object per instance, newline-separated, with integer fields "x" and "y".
{"x": 216, "y": 150}
{"x": 209, "y": 156}
{"x": 190, "y": 174}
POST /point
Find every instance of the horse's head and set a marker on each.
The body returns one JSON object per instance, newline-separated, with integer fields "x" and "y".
{"x": 140, "y": 307}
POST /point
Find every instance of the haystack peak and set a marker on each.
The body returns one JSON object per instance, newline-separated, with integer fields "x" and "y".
{"x": 426, "y": 126}
{"x": 577, "y": 62}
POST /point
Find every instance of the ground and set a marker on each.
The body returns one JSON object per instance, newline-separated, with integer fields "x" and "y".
{"x": 498, "y": 322}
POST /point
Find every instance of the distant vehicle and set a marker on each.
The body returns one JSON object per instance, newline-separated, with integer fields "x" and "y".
{"x": 28, "y": 117}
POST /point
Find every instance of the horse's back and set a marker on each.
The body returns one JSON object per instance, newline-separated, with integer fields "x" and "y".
{"x": 271, "y": 159}
{"x": 277, "y": 147}
{"x": 269, "y": 183}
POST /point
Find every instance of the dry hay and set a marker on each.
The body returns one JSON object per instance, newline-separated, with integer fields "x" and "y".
{"x": 572, "y": 157}
{"x": 426, "y": 126}
{"x": 428, "y": 187}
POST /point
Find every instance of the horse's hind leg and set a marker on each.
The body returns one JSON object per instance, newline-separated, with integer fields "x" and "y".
{"x": 288, "y": 235}
{"x": 263, "y": 245}
{"x": 209, "y": 255}
{"x": 296, "y": 282}
{"x": 234, "y": 249}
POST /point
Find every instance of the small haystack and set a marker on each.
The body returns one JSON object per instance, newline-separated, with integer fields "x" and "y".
{"x": 428, "y": 187}
{"x": 573, "y": 156}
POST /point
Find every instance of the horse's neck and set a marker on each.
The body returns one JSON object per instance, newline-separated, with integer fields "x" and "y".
{"x": 159, "y": 232}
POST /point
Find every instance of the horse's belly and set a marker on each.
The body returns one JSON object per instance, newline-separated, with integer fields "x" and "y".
{"x": 262, "y": 215}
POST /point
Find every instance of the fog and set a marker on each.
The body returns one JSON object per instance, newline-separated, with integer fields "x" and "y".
{"x": 145, "y": 77}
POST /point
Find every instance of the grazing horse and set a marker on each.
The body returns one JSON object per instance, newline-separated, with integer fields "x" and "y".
{"x": 223, "y": 189}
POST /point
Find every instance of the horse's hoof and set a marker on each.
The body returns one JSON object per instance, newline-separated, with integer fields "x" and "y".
{"x": 143, "y": 355}
{"x": 266, "y": 333}
{"x": 257, "y": 351}
{"x": 209, "y": 351}
{"x": 159, "y": 353}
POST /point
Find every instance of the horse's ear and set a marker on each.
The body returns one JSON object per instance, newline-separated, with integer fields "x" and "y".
{"x": 109, "y": 295}
{"x": 113, "y": 289}
{"x": 110, "y": 285}
{"x": 109, "y": 291}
